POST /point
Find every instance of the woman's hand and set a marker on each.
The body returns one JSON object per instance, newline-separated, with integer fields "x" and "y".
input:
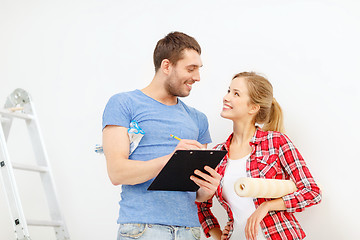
{"x": 207, "y": 186}
{"x": 253, "y": 222}
{"x": 225, "y": 232}
{"x": 215, "y": 233}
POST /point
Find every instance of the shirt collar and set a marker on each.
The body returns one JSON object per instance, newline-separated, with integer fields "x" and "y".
{"x": 255, "y": 140}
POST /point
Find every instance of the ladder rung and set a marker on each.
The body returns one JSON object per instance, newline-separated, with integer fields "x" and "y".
{"x": 7, "y": 113}
{"x": 30, "y": 167}
{"x": 44, "y": 223}
{"x": 4, "y": 119}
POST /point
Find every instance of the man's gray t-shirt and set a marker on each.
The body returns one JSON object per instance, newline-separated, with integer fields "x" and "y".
{"x": 158, "y": 121}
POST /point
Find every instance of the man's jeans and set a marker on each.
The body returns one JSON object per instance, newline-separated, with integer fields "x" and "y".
{"x": 157, "y": 232}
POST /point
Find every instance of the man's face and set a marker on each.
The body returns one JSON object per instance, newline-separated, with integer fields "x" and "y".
{"x": 184, "y": 74}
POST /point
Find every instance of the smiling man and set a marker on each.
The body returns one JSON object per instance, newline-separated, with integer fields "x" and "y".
{"x": 165, "y": 215}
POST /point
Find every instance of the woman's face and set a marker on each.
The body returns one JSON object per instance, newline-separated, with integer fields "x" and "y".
{"x": 236, "y": 103}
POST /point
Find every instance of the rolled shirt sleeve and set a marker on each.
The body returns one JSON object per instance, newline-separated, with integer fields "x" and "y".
{"x": 308, "y": 192}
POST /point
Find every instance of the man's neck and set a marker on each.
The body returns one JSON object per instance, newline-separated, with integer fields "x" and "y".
{"x": 157, "y": 91}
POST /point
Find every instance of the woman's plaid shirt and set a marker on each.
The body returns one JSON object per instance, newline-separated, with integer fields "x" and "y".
{"x": 273, "y": 156}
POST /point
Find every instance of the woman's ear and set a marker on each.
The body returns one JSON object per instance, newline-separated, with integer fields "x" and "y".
{"x": 254, "y": 109}
{"x": 165, "y": 66}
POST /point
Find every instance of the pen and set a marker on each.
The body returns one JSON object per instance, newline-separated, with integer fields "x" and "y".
{"x": 175, "y": 137}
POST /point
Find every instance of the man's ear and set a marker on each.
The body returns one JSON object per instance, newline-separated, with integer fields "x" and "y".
{"x": 165, "y": 66}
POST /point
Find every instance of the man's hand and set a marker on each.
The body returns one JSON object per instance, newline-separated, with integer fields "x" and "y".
{"x": 207, "y": 186}
{"x": 187, "y": 144}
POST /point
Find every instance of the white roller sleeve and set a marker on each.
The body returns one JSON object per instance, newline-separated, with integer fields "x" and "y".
{"x": 263, "y": 188}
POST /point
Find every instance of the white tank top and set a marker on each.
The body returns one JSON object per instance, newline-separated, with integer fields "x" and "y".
{"x": 242, "y": 207}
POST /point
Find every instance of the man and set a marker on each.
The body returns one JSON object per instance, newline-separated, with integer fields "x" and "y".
{"x": 159, "y": 112}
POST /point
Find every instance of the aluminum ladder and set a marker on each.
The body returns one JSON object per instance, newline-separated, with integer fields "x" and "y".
{"x": 19, "y": 105}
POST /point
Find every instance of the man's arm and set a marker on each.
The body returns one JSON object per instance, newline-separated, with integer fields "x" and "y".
{"x": 121, "y": 169}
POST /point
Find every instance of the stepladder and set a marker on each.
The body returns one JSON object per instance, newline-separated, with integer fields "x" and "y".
{"x": 19, "y": 106}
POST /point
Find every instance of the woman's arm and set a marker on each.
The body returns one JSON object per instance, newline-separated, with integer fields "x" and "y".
{"x": 215, "y": 233}
{"x": 292, "y": 162}
{"x": 253, "y": 222}
{"x": 308, "y": 192}
{"x": 207, "y": 220}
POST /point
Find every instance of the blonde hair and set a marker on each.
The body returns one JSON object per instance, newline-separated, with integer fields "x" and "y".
{"x": 261, "y": 93}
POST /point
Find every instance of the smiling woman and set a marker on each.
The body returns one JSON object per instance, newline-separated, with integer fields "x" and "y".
{"x": 258, "y": 153}
{"x": 252, "y": 90}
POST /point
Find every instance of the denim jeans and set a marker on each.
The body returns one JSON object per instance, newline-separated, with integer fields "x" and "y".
{"x": 157, "y": 232}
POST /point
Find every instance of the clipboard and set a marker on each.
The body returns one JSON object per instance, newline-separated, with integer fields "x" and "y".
{"x": 175, "y": 176}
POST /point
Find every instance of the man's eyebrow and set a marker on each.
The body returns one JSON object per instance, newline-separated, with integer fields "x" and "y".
{"x": 194, "y": 66}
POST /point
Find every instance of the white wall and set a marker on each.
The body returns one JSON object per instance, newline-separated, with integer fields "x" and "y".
{"x": 72, "y": 55}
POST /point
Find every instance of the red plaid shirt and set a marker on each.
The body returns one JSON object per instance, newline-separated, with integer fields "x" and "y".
{"x": 273, "y": 156}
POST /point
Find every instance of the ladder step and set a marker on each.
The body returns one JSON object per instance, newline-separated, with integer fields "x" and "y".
{"x": 7, "y": 113}
{"x": 26, "y": 167}
{"x": 44, "y": 223}
{"x": 4, "y": 119}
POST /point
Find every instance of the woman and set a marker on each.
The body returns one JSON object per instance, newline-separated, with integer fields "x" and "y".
{"x": 258, "y": 153}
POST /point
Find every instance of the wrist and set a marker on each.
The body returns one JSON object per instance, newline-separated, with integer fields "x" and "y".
{"x": 266, "y": 206}
{"x": 215, "y": 233}
{"x": 274, "y": 205}
{"x": 201, "y": 196}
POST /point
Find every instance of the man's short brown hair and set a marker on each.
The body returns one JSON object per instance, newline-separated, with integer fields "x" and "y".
{"x": 171, "y": 47}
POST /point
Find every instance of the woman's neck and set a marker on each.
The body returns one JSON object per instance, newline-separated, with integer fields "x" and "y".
{"x": 239, "y": 145}
{"x": 243, "y": 132}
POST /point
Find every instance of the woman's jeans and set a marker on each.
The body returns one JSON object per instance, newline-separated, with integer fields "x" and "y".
{"x": 157, "y": 232}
